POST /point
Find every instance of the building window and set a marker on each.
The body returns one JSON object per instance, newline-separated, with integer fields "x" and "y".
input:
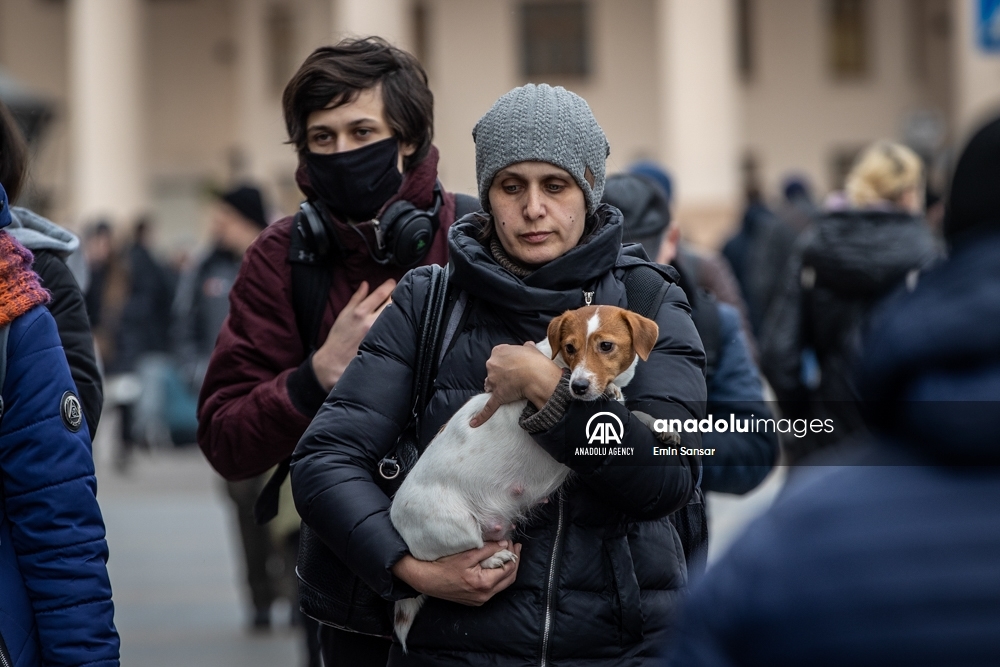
{"x": 281, "y": 44}
{"x": 555, "y": 39}
{"x": 848, "y": 38}
{"x": 744, "y": 38}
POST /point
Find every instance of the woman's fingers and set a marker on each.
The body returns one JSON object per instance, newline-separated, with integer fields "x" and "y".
{"x": 492, "y": 405}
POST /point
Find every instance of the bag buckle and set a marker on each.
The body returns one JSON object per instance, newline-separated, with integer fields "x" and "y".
{"x": 393, "y": 471}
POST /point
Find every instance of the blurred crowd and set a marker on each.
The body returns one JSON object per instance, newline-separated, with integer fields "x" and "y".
{"x": 873, "y": 309}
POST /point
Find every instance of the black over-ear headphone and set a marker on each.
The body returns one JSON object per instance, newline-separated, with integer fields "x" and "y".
{"x": 403, "y": 234}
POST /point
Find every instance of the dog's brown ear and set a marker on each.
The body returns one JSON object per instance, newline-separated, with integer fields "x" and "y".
{"x": 554, "y": 333}
{"x": 644, "y": 333}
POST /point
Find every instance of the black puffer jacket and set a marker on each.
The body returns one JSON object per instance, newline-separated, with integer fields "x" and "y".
{"x": 51, "y": 246}
{"x": 841, "y": 267}
{"x": 602, "y": 558}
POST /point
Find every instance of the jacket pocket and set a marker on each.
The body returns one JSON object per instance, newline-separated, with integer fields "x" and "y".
{"x": 626, "y": 601}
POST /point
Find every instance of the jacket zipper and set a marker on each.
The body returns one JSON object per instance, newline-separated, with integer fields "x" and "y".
{"x": 588, "y": 298}
{"x": 550, "y": 593}
{"x": 5, "y": 660}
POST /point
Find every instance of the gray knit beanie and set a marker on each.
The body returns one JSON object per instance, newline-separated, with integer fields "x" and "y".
{"x": 544, "y": 124}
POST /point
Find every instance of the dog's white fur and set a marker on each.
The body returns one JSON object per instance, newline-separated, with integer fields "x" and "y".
{"x": 472, "y": 485}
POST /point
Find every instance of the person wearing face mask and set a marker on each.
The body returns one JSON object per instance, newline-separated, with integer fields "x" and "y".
{"x": 360, "y": 116}
{"x": 600, "y": 568}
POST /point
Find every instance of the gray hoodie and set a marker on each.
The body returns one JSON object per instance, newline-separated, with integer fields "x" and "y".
{"x": 37, "y": 233}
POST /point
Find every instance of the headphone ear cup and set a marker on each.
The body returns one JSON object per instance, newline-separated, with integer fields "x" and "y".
{"x": 315, "y": 230}
{"x": 411, "y": 242}
{"x": 408, "y": 233}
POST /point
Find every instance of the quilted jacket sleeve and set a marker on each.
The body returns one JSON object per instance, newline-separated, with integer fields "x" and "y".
{"x": 332, "y": 468}
{"x": 49, "y": 495}
{"x": 668, "y": 385}
{"x": 741, "y": 460}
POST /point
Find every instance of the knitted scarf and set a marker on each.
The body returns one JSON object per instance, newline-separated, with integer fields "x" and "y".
{"x": 20, "y": 290}
{"x": 501, "y": 257}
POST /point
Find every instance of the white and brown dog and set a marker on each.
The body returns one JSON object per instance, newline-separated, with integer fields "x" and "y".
{"x": 472, "y": 485}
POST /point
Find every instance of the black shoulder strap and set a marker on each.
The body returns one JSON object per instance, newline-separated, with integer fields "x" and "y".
{"x": 645, "y": 286}
{"x": 310, "y": 286}
{"x": 431, "y": 323}
{"x": 465, "y": 204}
{"x": 311, "y": 281}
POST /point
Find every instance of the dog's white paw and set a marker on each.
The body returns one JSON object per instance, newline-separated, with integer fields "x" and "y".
{"x": 498, "y": 559}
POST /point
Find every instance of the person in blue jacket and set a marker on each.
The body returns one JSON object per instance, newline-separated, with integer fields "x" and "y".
{"x": 55, "y": 595}
{"x": 893, "y": 557}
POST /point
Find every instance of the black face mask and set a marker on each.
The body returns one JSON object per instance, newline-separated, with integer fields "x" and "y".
{"x": 354, "y": 185}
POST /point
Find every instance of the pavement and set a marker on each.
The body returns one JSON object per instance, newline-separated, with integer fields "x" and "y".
{"x": 178, "y": 581}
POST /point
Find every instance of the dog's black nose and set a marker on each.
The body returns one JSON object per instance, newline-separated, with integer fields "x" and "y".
{"x": 579, "y": 387}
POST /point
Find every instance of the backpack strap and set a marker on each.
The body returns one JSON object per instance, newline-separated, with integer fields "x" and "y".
{"x": 408, "y": 449}
{"x": 646, "y": 284}
{"x": 311, "y": 279}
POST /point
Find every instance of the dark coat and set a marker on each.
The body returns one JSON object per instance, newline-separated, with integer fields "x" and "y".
{"x": 758, "y": 255}
{"x": 55, "y": 596}
{"x": 200, "y": 309}
{"x": 70, "y": 313}
{"x": 602, "y": 556}
{"x": 841, "y": 268}
{"x": 145, "y": 321}
{"x": 260, "y": 392}
{"x": 51, "y": 245}
{"x": 894, "y": 558}
{"x": 741, "y": 460}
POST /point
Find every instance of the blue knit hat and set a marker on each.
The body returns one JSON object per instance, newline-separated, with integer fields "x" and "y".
{"x": 539, "y": 123}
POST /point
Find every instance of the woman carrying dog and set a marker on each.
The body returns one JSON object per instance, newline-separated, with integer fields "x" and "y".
{"x": 601, "y": 567}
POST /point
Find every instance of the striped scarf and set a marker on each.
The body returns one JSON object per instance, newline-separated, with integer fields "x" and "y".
{"x": 20, "y": 290}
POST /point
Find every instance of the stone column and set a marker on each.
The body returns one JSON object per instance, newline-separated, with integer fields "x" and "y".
{"x": 254, "y": 103}
{"x": 105, "y": 59}
{"x": 390, "y": 19}
{"x": 699, "y": 114}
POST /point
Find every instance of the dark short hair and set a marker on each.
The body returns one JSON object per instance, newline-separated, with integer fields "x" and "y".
{"x": 334, "y": 75}
{"x": 13, "y": 154}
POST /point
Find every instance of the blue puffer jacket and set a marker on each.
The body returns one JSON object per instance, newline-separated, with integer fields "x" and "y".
{"x": 55, "y": 595}
{"x": 895, "y": 558}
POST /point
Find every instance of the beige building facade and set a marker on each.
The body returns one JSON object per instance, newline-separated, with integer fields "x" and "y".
{"x": 157, "y": 101}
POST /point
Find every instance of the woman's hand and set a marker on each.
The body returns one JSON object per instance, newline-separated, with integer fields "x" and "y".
{"x": 459, "y": 578}
{"x": 341, "y": 344}
{"x": 515, "y": 372}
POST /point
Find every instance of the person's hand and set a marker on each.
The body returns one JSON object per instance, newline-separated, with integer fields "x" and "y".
{"x": 353, "y": 322}
{"x": 514, "y": 372}
{"x": 459, "y": 578}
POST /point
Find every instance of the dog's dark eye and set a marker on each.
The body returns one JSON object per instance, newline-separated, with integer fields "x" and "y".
{"x": 570, "y": 349}
{"x": 606, "y": 346}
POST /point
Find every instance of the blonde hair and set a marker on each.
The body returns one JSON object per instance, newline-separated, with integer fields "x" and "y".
{"x": 884, "y": 173}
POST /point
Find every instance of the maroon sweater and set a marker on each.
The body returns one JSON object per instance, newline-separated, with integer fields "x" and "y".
{"x": 260, "y": 392}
